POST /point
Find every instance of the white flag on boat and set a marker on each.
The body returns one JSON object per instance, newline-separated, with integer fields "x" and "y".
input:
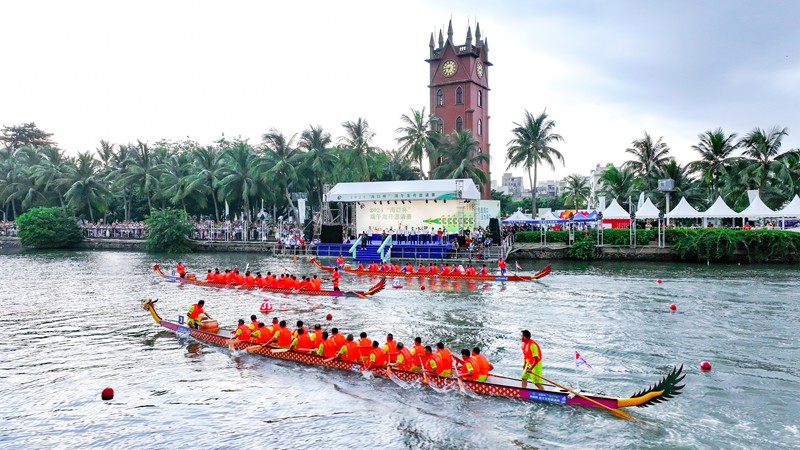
{"x": 579, "y": 361}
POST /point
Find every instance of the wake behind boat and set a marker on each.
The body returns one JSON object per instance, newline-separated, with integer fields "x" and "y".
{"x": 665, "y": 389}
{"x": 440, "y": 276}
{"x": 190, "y": 279}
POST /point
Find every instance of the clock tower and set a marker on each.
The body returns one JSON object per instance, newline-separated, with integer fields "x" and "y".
{"x": 459, "y": 88}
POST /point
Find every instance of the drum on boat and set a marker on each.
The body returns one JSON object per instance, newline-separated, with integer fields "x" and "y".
{"x": 211, "y": 326}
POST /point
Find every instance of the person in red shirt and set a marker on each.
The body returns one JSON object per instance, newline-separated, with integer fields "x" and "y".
{"x": 210, "y": 276}
{"x": 335, "y": 277}
{"x": 181, "y": 269}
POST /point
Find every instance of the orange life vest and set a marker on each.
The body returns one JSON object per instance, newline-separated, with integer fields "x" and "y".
{"x": 436, "y": 359}
{"x": 180, "y": 269}
{"x": 407, "y": 363}
{"x": 303, "y": 342}
{"x": 195, "y": 311}
{"x": 419, "y": 354}
{"x": 380, "y": 357}
{"x": 245, "y": 332}
{"x": 482, "y": 365}
{"x": 464, "y": 369}
{"x": 339, "y": 340}
{"x": 210, "y": 277}
{"x": 249, "y": 280}
{"x": 284, "y": 337}
{"x": 317, "y": 337}
{"x": 352, "y": 351}
{"x": 329, "y": 348}
{"x": 446, "y": 358}
{"x": 264, "y": 335}
{"x": 364, "y": 346}
{"x": 335, "y": 278}
{"x": 526, "y": 351}
{"x": 391, "y": 350}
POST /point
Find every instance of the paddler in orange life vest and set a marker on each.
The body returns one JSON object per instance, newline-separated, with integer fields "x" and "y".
{"x": 533, "y": 361}
{"x": 327, "y": 348}
{"x": 501, "y": 263}
{"x": 445, "y": 361}
{"x": 377, "y": 358}
{"x": 210, "y": 276}
{"x": 196, "y": 314}
{"x": 301, "y": 342}
{"x": 433, "y": 363}
{"x": 181, "y": 269}
{"x": 484, "y": 270}
{"x": 335, "y": 277}
{"x": 468, "y": 367}
{"x": 404, "y": 358}
{"x": 418, "y": 355}
{"x": 253, "y": 323}
{"x": 339, "y": 261}
{"x": 364, "y": 346}
{"x": 360, "y": 266}
{"x": 349, "y": 351}
{"x": 390, "y": 348}
{"x": 483, "y": 364}
{"x": 283, "y": 337}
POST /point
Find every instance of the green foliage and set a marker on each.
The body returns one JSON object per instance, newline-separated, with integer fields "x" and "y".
{"x": 48, "y": 228}
{"x": 168, "y": 230}
{"x": 583, "y": 249}
{"x": 720, "y": 244}
{"x": 536, "y": 236}
{"x": 622, "y": 236}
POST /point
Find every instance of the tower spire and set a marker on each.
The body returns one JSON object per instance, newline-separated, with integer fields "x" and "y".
{"x": 441, "y": 39}
{"x": 469, "y": 38}
{"x": 478, "y": 34}
{"x": 430, "y": 44}
{"x": 450, "y": 31}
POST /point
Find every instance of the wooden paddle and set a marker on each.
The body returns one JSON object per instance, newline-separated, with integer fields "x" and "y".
{"x": 356, "y": 294}
{"x": 616, "y": 412}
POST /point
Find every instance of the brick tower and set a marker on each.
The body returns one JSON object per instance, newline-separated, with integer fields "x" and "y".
{"x": 459, "y": 88}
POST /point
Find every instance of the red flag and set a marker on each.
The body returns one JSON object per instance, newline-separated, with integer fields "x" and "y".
{"x": 579, "y": 361}
{"x": 518, "y": 266}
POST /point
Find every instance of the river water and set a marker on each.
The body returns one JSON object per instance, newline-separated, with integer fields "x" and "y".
{"x": 73, "y": 326}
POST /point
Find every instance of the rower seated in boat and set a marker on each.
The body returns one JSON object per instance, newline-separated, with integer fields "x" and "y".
{"x": 349, "y": 351}
{"x": 467, "y": 370}
{"x": 484, "y": 270}
{"x": 446, "y": 359}
{"x": 210, "y": 276}
{"x": 360, "y": 267}
{"x": 483, "y": 366}
{"x": 196, "y": 314}
{"x": 301, "y": 341}
{"x": 433, "y": 363}
{"x": 241, "y": 333}
{"x": 282, "y": 337}
{"x": 390, "y": 348}
{"x": 417, "y": 354}
{"x": 404, "y": 358}
{"x": 327, "y": 348}
{"x": 377, "y": 357}
{"x": 364, "y": 346}
{"x": 421, "y": 268}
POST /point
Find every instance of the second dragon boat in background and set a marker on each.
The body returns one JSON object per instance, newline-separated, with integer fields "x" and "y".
{"x": 438, "y": 276}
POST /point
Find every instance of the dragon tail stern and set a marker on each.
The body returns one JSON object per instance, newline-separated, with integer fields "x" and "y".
{"x": 662, "y": 391}
{"x": 543, "y": 272}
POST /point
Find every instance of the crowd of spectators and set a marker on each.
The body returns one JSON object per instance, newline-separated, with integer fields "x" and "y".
{"x": 7, "y": 228}
{"x": 116, "y": 230}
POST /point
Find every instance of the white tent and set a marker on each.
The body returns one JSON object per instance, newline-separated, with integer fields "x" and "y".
{"x": 518, "y": 217}
{"x": 615, "y": 211}
{"x": 792, "y": 209}
{"x": 648, "y": 211}
{"x": 684, "y": 211}
{"x": 757, "y": 209}
{"x": 720, "y": 209}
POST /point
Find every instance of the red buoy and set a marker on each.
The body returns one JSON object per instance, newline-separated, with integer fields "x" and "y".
{"x": 705, "y": 366}
{"x": 658, "y": 281}
{"x": 107, "y": 394}
{"x": 329, "y": 316}
{"x": 422, "y": 288}
{"x": 673, "y": 307}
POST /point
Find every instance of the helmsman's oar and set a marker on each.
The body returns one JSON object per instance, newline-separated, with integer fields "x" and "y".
{"x": 616, "y": 412}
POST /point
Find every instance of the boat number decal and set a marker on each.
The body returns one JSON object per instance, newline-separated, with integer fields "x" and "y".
{"x": 180, "y": 320}
{"x": 547, "y": 397}
{"x": 500, "y": 278}
{"x": 183, "y": 332}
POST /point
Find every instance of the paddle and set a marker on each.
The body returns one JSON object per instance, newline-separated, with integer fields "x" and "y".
{"x": 616, "y": 412}
{"x": 356, "y": 294}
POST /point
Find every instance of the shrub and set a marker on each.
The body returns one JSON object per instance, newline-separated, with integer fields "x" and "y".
{"x": 168, "y": 230}
{"x": 583, "y": 249}
{"x": 721, "y": 244}
{"x": 48, "y": 228}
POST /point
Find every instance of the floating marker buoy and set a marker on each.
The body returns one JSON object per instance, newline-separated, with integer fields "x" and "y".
{"x": 107, "y": 394}
{"x": 705, "y": 366}
{"x": 658, "y": 281}
{"x": 422, "y": 288}
{"x": 266, "y": 306}
{"x": 396, "y": 283}
{"x": 673, "y": 307}
{"x": 329, "y": 316}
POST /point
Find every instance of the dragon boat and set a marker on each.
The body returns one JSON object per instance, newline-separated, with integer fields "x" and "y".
{"x": 348, "y": 269}
{"x": 663, "y": 390}
{"x": 191, "y": 279}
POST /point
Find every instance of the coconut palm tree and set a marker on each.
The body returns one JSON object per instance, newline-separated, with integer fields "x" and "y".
{"x": 418, "y": 137}
{"x": 283, "y": 157}
{"x": 116, "y": 170}
{"x": 205, "y": 176}
{"x": 716, "y": 157}
{"x": 763, "y": 152}
{"x": 577, "y": 190}
{"x": 460, "y": 159}
{"x": 532, "y": 146}
{"x": 618, "y": 183}
{"x": 54, "y": 172}
{"x": 176, "y": 178}
{"x": 395, "y": 166}
{"x": 318, "y": 159}
{"x": 88, "y": 189}
{"x": 649, "y": 157}
{"x": 240, "y": 177}
{"x": 19, "y": 184}
{"x": 145, "y": 171}
{"x": 684, "y": 184}
{"x": 357, "y": 140}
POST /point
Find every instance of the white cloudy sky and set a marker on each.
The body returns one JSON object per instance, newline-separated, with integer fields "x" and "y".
{"x": 605, "y": 71}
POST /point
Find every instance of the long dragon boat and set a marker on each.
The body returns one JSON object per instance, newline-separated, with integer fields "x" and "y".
{"x": 439, "y": 276}
{"x": 663, "y": 390}
{"x": 379, "y": 286}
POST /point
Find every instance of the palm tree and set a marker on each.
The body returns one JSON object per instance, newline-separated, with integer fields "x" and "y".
{"x": 88, "y": 188}
{"x": 418, "y": 139}
{"x": 649, "y": 157}
{"x": 617, "y": 183}
{"x": 116, "y": 170}
{"x": 318, "y": 159}
{"x": 357, "y": 141}
{"x": 176, "y": 178}
{"x": 577, "y": 190}
{"x": 762, "y": 148}
{"x": 240, "y": 177}
{"x": 716, "y": 150}
{"x": 19, "y": 183}
{"x": 207, "y": 166}
{"x": 684, "y": 184}
{"x": 282, "y": 157}
{"x": 532, "y": 146}
{"x": 54, "y": 172}
{"x": 145, "y": 171}
{"x": 395, "y": 166}
{"x": 461, "y": 159}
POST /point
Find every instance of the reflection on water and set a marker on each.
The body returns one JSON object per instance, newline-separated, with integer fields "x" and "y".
{"x": 73, "y": 325}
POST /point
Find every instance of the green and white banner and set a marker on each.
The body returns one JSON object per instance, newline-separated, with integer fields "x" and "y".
{"x": 376, "y": 217}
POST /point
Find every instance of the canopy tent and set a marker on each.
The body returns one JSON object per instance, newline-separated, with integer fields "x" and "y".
{"x": 403, "y": 190}
{"x": 615, "y": 211}
{"x": 757, "y": 208}
{"x": 720, "y": 209}
{"x": 518, "y": 217}
{"x": 684, "y": 211}
{"x": 792, "y": 209}
{"x": 551, "y": 218}
{"x": 581, "y": 217}
{"x": 648, "y": 211}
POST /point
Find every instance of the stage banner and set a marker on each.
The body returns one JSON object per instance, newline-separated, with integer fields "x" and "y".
{"x": 486, "y": 209}
{"x": 376, "y": 217}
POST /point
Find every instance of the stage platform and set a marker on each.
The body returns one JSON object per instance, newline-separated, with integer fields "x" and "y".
{"x": 399, "y": 251}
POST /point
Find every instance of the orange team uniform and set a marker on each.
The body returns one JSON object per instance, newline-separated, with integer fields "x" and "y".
{"x": 434, "y": 363}
{"x": 284, "y": 337}
{"x": 445, "y": 270}
{"x": 483, "y": 367}
{"x": 316, "y": 338}
{"x": 249, "y": 280}
{"x": 377, "y": 358}
{"x": 390, "y": 348}
{"x": 349, "y": 351}
{"x": 446, "y": 359}
{"x": 327, "y": 349}
{"x": 418, "y": 352}
{"x": 339, "y": 340}
{"x": 466, "y": 366}
{"x": 180, "y": 269}
{"x": 335, "y": 277}
{"x": 242, "y": 332}
{"x": 364, "y": 347}
{"x": 404, "y": 359}
{"x": 302, "y": 342}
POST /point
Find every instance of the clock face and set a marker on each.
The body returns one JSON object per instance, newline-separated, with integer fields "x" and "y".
{"x": 449, "y": 68}
{"x": 479, "y": 69}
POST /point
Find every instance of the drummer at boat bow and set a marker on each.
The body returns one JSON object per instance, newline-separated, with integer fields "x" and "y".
{"x": 196, "y": 314}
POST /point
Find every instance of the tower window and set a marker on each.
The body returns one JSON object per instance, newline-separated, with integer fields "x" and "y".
{"x": 459, "y": 123}
{"x": 480, "y": 150}
{"x": 480, "y": 127}
{"x": 440, "y": 126}
{"x": 480, "y": 98}
{"x": 459, "y": 96}
{"x": 440, "y": 97}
